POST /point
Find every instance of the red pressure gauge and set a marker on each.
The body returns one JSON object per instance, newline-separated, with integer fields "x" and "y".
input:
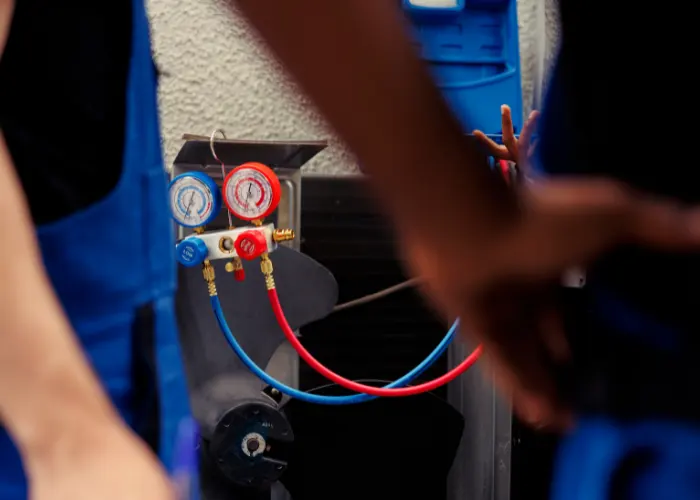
{"x": 252, "y": 191}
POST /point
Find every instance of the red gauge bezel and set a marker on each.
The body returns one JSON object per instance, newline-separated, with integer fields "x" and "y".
{"x": 269, "y": 175}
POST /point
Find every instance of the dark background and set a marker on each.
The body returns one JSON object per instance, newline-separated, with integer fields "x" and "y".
{"x": 341, "y": 228}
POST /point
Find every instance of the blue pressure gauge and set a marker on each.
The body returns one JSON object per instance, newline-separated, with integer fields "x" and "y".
{"x": 195, "y": 199}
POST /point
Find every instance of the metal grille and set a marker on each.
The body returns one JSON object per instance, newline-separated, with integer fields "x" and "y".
{"x": 384, "y": 339}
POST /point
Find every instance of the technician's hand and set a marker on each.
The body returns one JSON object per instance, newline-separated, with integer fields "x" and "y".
{"x": 109, "y": 463}
{"x": 500, "y": 281}
{"x": 516, "y": 150}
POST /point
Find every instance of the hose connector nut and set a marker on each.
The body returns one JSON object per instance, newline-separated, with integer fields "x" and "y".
{"x": 208, "y": 272}
{"x": 266, "y": 266}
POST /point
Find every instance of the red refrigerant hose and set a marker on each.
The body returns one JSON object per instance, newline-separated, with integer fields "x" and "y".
{"x": 354, "y": 386}
{"x": 368, "y": 389}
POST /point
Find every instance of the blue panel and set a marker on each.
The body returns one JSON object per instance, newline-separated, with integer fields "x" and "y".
{"x": 473, "y": 51}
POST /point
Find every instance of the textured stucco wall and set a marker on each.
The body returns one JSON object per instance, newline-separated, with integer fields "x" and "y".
{"x": 218, "y": 76}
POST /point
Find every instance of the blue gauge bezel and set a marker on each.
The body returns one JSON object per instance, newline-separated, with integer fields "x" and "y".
{"x": 210, "y": 184}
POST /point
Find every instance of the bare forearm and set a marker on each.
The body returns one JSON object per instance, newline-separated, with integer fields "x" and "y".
{"x": 359, "y": 67}
{"x": 46, "y": 385}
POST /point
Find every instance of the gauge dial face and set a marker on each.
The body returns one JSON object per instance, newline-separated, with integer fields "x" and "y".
{"x": 251, "y": 191}
{"x": 193, "y": 201}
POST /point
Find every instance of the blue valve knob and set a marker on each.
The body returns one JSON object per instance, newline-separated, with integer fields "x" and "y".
{"x": 191, "y": 251}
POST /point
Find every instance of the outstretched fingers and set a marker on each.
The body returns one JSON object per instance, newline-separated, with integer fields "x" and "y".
{"x": 494, "y": 149}
{"x": 509, "y": 140}
{"x": 529, "y": 129}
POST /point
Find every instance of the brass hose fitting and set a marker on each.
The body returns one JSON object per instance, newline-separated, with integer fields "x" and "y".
{"x": 199, "y": 230}
{"x": 210, "y": 277}
{"x": 267, "y": 269}
{"x": 270, "y": 282}
{"x": 280, "y": 235}
{"x": 236, "y": 267}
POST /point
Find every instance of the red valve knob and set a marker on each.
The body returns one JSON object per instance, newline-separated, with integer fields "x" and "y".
{"x": 250, "y": 244}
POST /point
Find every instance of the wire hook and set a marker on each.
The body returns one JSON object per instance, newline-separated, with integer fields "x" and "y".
{"x": 212, "y": 139}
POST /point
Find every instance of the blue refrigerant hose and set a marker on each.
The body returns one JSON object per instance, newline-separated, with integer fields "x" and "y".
{"x": 317, "y": 398}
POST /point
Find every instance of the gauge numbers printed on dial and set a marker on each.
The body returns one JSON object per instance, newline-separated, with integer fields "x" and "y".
{"x": 252, "y": 191}
{"x": 194, "y": 199}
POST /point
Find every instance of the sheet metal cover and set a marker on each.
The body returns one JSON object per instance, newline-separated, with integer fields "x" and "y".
{"x": 275, "y": 154}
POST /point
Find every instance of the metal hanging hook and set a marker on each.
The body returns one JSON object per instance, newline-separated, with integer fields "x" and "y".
{"x": 212, "y": 139}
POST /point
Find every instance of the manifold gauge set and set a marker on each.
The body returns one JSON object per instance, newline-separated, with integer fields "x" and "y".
{"x": 250, "y": 192}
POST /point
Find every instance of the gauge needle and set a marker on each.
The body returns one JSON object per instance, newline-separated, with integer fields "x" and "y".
{"x": 189, "y": 205}
{"x": 250, "y": 193}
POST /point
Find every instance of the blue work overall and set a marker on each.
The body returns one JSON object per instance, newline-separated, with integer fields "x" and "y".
{"x": 112, "y": 266}
{"x": 650, "y": 454}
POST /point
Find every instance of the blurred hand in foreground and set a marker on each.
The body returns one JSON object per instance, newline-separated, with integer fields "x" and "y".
{"x": 502, "y": 279}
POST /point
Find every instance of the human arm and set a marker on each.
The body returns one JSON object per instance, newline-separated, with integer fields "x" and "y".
{"x": 72, "y": 442}
{"x": 45, "y": 381}
{"x": 487, "y": 255}
{"x": 360, "y": 68}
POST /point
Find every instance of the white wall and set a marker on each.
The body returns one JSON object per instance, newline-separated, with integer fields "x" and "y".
{"x": 218, "y": 76}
